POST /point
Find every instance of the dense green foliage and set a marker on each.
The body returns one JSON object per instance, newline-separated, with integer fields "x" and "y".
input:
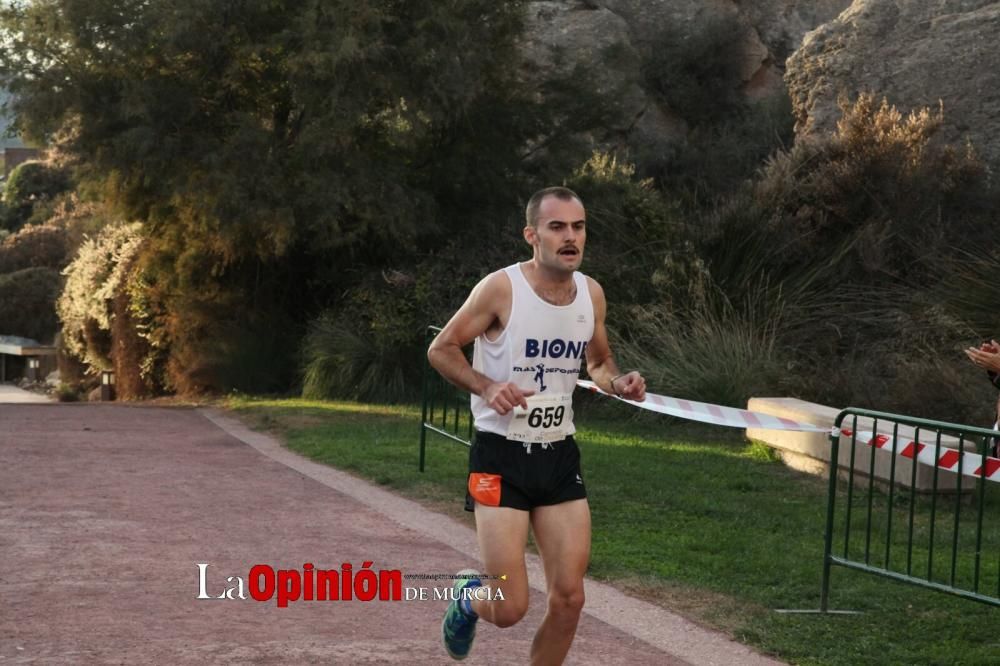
{"x": 27, "y": 303}
{"x": 277, "y": 151}
{"x": 29, "y": 193}
{"x": 372, "y": 346}
{"x": 638, "y": 248}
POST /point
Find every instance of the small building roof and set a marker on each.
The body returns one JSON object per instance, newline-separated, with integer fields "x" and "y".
{"x": 18, "y": 346}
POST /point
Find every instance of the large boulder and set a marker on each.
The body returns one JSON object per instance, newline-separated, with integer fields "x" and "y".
{"x": 915, "y": 54}
{"x": 563, "y": 38}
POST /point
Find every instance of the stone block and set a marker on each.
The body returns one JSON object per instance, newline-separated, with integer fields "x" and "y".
{"x": 810, "y": 451}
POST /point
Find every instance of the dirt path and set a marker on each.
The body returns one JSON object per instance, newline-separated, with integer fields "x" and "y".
{"x": 106, "y": 511}
{"x": 10, "y": 394}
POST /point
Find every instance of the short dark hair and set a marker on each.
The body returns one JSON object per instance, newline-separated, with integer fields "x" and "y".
{"x": 535, "y": 202}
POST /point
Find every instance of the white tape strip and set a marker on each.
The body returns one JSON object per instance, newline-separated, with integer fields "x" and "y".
{"x": 709, "y": 413}
{"x": 968, "y": 464}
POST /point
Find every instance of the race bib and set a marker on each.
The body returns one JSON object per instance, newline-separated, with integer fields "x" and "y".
{"x": 547, "y": 419}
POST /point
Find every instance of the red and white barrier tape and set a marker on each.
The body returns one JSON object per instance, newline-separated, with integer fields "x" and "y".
{"x": 949, "y": 459}
{"x": 709, "y": 413}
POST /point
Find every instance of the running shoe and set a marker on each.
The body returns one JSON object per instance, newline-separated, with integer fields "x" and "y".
{"x": 457, "y": 628}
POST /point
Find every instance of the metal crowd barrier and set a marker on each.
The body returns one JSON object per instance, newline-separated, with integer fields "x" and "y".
{"x": 945, "y": 537}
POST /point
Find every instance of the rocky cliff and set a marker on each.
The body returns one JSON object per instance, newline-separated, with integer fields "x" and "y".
{"x": 913, "y": 53}
{"x": 616, "y": 40}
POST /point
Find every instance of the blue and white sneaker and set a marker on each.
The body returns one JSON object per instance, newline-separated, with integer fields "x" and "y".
{"x": 458, "y": 627}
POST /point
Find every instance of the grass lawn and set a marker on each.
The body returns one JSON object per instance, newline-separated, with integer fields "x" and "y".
{"x": 699, "y": 520}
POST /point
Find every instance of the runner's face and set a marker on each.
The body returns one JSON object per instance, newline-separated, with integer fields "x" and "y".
{"x": 561, "y": 234}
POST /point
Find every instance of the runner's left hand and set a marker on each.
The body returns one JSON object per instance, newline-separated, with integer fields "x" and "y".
{"x": 631, "y": 386}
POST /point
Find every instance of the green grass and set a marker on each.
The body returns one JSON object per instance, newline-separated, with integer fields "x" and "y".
{"x": 699, "y": 520}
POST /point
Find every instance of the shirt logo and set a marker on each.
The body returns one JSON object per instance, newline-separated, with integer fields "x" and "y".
{"x": 557, "y": 348}
{"x": 540, "y": 377}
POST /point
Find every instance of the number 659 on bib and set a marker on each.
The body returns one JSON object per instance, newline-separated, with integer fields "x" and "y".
{"x": 546, "y": 419}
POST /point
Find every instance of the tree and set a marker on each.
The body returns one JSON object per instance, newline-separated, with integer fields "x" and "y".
{"x": 29, "y": 186}
{"x": 278, "y": 150}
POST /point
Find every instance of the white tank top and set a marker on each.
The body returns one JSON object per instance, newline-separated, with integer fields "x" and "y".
{"x": 541, "y": 349}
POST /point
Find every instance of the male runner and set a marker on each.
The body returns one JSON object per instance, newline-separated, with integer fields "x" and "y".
{"x": 533, "y": 323}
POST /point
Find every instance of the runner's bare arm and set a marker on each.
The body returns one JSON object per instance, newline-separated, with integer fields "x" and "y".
{"x": 488, "y": 303}
{"x": 601, "y": 364}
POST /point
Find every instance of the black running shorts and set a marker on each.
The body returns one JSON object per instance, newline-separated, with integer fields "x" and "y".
{"x": 507, "y": 473}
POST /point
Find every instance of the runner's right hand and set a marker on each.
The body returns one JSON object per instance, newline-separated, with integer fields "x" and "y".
{"x": 504, "y": 396}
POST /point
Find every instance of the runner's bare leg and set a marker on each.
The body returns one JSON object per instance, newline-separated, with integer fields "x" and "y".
{"x": 503, "y": 535}
{"x": 562, "y": 533}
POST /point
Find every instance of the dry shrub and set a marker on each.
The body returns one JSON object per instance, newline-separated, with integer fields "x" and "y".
{"x": 80, "y": 220}
{"x": 34, "y": 246}
{"x": 851, "y": 231}
{"x": 883, "y": 189}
